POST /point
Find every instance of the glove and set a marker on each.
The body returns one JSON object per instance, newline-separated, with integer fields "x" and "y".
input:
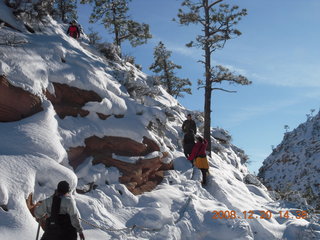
{"x": 81, "y": 236}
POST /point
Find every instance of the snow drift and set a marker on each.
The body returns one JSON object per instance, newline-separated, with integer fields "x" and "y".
{"x": 34, "y": 159}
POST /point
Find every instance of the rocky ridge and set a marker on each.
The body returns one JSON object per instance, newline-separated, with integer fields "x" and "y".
{"x": 294, "y": 164}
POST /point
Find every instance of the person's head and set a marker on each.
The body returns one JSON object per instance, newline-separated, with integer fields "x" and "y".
{"x": 73, "y": 22}
{"x": 189, "y": 117}
{"x": 63, "y": 187}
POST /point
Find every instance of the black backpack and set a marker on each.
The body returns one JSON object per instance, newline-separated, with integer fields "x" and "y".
{"x": 58, "y": 226}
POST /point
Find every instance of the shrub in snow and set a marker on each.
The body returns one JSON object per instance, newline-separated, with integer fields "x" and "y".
{"x": 295, "y": 197}
{"x": 243, "y": 156}
{"x": 137, "y": 89}
{"x": 221, "y": 134}
{"x": 94, "y": 37}
{"x": 30, "y": 11}
{"x": 170, "y": 114}
{"x": 216, "y": 147}
{"x": 132, "y": 60}
{"x": 11, "y": 39}
{"x": 157, "y": 126}
{"x": 110, "y": 51}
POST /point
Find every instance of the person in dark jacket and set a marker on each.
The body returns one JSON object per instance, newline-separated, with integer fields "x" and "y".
{"x": 188, "y": 143}
{"x": 199, "y": 158}
{"x": 63, "y": 221}
{"x": 73, "y": 30}
{"x": 189, "y": 124}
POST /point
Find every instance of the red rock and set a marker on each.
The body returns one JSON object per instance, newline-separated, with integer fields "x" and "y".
{"x": 141, "y": 176}
{"x": 16, "y": 103}
{"x": 103, "y": 116}
{"x": 68, "y": 101}
{"x": 119, "y": 145}
{"x": 152, "y": 146}
{"x": 76, "y": 156}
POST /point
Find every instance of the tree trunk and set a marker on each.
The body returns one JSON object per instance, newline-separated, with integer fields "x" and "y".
{"x": 166, "y": 74}
{"x": 63, "y": 11}
{"x": 207, "y": 95}
{"x": 116, "y": 29}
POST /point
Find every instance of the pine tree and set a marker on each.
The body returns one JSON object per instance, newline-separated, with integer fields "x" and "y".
{"x": 31, "y": 11}
{"x": 66, "y": 9}
{"x": 94, "y": 37}
{"x": 113, "y": 15}
{"x": 217, "y": 25}
{"x": 175, "y": 86}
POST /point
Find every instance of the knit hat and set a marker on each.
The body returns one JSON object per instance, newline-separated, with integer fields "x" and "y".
{"x": 63, "y": 187}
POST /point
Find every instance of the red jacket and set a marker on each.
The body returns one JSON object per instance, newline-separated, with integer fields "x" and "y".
{"x": 73, "y": 31}
{"x": 199, "y": 149}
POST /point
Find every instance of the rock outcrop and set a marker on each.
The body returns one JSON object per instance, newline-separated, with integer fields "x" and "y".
{"x": 68, "y": 101}
{"x": 16, "y": 103}
{"x": 144, "y": 175}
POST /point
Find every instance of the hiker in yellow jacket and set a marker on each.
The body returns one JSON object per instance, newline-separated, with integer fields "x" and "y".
{"x": 199, "y": 158}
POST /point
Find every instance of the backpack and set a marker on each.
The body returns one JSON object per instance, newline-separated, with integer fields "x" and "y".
{"x": 58, "y": 226}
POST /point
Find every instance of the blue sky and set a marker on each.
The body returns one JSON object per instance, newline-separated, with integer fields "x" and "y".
{"x": 278, "y": 51}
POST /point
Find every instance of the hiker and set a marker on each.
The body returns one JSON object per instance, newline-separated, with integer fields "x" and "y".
{"x": 73, "y": 30}
{"x": 63, "y": 217}
{"x": 188, "y": 142}
{"x": 189, "y": 124}
{"x": 199, "y": 158}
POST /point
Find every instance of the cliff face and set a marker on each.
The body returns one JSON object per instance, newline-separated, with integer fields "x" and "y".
{"x": 141, "y": 176}
{"x": 294, "y": 164}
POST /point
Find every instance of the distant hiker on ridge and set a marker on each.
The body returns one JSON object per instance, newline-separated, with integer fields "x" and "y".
{"x": 189, "y": 124}
{"x": 188, "y": 143}
{"x": 73, "y": 30}
{"x": 63, "y": 221}
{"x": 199, "y": 157}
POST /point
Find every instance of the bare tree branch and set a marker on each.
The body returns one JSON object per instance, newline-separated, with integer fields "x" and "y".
{"x": 221, "y": 89}
{"x": 214, "y": 3}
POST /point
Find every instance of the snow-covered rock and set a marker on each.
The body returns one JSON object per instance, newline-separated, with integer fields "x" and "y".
{"x": 33, "y": 154}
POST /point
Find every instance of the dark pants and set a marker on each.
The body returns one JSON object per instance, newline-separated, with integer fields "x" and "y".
{"x": 187, "y": 148}
{"x": 62, "y": 230}
{"x": 204, "y": 175}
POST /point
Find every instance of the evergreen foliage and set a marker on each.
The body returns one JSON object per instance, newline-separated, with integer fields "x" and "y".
{"x": 113, "y": 15}
{"x": 220, "y": 74}
{"x": 63, "y": 10}
{"x": 66, "y": 10}
{"x": 174, "y": 85}
{"x": 94, "y": 37}
{"x": 217, "y": 23}
{"x": 29, "y": 10}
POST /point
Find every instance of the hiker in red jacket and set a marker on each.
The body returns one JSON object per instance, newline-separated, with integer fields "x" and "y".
{"x": 73, "y": 30}
{"x": 199, "y": 158}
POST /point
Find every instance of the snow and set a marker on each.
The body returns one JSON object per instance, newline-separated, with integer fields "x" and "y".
{"x": 33, "y": 158}
{"x": 297, "y": 159}
{"x": 137, "y": 158}
{"x": 7, "y": 16}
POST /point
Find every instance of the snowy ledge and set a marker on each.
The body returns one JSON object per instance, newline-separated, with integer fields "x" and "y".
{"x": 135, "y": 159}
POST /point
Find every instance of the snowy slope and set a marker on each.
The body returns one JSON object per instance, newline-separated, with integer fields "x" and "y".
{"x": 33, "y": 155}
{"x": 294, "y": 165}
